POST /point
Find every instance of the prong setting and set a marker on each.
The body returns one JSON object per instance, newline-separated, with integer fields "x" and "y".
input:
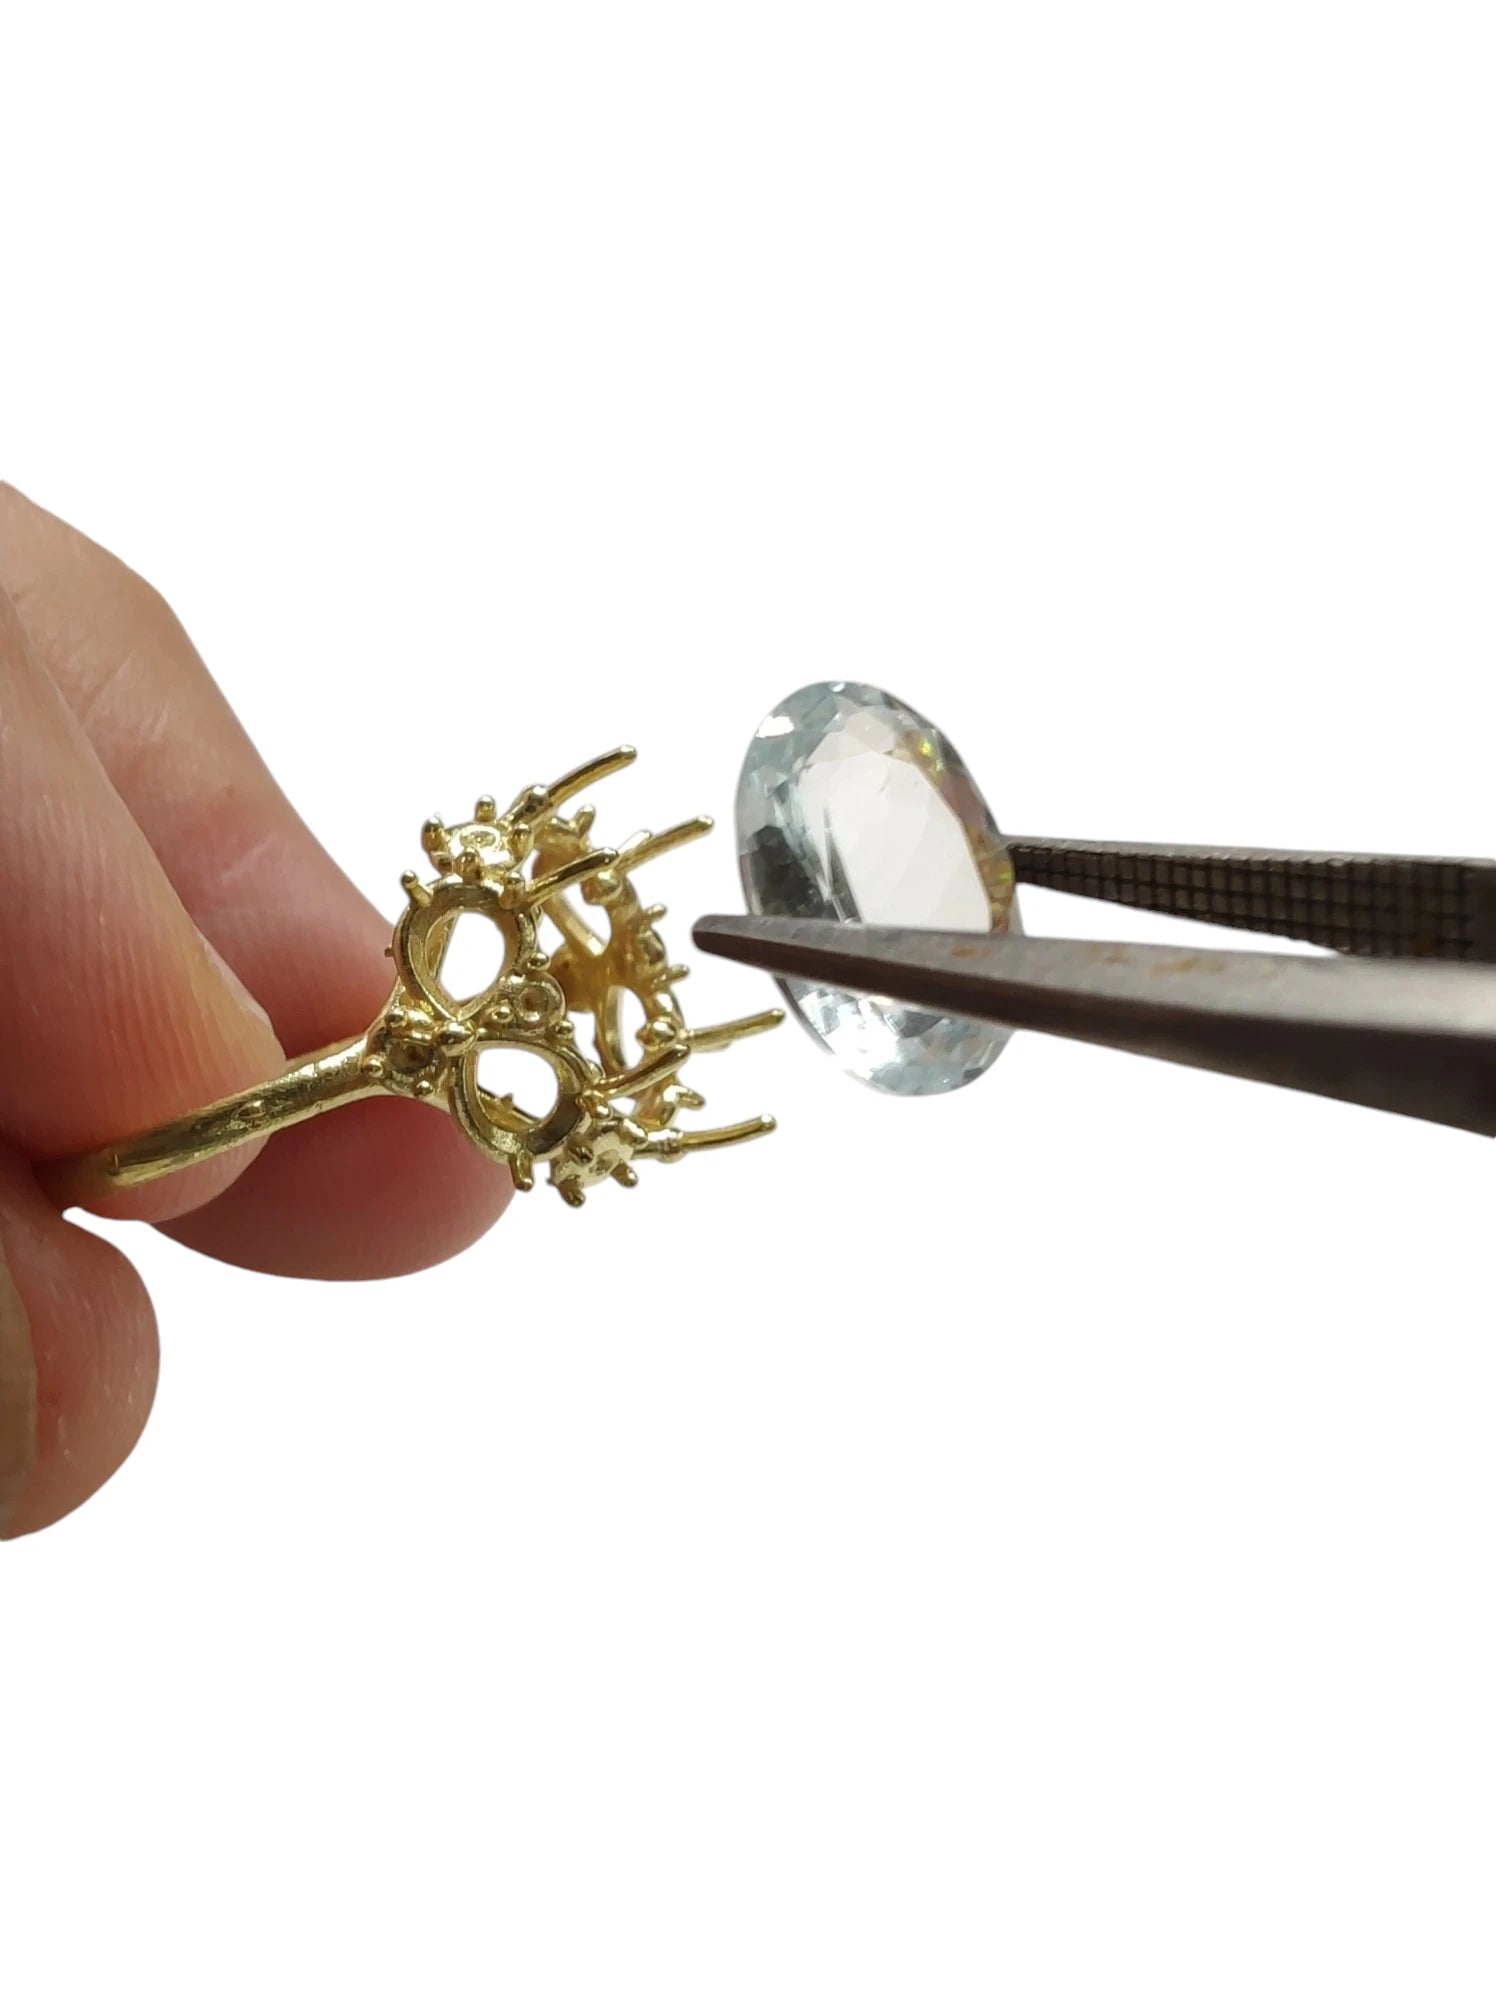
{"x": 613, "y": 1104}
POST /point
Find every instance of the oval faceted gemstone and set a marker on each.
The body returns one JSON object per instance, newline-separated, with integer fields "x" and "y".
{"x": 852, "y": 806}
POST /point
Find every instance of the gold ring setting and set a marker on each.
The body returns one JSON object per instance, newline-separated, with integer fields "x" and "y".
{"x": 513, "y": 869}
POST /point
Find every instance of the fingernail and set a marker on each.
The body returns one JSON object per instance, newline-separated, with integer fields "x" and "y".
{"x": 17, "y": 1396}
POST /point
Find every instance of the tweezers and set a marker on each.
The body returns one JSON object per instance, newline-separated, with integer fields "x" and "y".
{"x": 1401, "y": 1018}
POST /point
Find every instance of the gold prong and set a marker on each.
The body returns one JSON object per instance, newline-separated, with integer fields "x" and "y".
{"x": 416, "y": 889}
{"x": 522, "y": 1172}
{"x": 729, "y": 1135}
{"x": 532, "y": 806}
{"x": 655, "y": 914}
{"x": 715, "y": 1137}
{"x": 625, "y": 1175}
{"x": 587, "y": 774}
{"x": 582, "y": 820}
{"x": 724, "y": 1135}
{"x": 735, "y": 1031}
{"x": 669, "y": 975}
{"x": 486, "y": 809}
{"x": 571, "y": 1194}
{"x": 580, "y": 870}
{"x": 673, "y": 1144}
{"x": 645, "y": 1075}
{"x": 434, "y": 836}
{"x": 650, "y": 846}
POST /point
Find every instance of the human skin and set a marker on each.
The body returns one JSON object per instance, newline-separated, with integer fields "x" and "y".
{"x": 174, "y": 931}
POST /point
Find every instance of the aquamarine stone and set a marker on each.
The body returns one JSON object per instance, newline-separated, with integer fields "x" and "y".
{"x": 852, "y": 805}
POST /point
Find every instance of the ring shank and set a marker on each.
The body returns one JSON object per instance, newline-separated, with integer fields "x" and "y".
{"x": 317, "y": 1083}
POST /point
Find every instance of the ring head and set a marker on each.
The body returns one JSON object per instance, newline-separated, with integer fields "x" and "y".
{"x": 611, "y": 1106}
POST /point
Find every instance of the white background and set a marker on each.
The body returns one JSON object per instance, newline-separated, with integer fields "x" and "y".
{"x": 1034, "y": 1543}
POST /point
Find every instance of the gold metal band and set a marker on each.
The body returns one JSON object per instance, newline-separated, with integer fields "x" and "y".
{"x": 320, "y": 1083}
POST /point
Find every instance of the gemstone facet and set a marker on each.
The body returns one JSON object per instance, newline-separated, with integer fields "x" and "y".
{"x": 852, "y": 806}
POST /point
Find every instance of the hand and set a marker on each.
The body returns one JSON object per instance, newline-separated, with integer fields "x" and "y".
{"x": 173, "y": 933}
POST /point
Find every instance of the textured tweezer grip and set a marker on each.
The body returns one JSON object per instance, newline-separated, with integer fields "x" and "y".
{"x": 1369, "y": 905}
